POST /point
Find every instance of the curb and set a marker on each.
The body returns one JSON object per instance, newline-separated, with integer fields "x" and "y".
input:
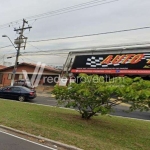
{"x": 39, "y": 139}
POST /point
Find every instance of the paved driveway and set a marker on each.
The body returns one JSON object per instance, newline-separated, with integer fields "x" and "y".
{"x": 11, "y": 142}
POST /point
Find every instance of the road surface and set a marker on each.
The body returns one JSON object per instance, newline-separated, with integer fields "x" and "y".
{"x": 11, "y": 142}
{"x": 119, "y": 110}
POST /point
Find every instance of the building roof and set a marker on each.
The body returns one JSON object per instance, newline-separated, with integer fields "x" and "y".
{"x": 47, "y": 68}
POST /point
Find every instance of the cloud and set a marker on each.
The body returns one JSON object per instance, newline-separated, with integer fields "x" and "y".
{"x": 114, "y": 16}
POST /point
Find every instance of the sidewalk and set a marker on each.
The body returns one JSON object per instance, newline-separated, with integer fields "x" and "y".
{"x": 44, "y": 94}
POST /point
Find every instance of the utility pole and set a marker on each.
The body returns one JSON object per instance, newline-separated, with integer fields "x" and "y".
{"x": 21, "y": 43}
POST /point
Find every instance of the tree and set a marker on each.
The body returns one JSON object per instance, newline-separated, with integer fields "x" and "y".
{"x": 96, "y": 95}
{"x": 137, "y": 92}
{"x": 91, "y": 96}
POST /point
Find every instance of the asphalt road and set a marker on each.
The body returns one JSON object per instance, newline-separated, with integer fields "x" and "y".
{"x": 119, "y": 110}
{"x": 45, "y": 101}
{"x": 11, "y": 142}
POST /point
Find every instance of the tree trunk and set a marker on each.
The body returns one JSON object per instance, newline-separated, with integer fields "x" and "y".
{"x": 88, "y": 115}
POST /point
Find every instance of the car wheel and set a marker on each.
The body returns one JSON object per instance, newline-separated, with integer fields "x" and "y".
{"x": 21, "y": 98}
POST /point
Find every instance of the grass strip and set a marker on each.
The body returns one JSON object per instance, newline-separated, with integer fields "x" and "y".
{"x": 98, "y": 133}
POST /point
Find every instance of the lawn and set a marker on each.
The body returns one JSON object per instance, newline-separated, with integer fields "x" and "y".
{"x": 98, "y": 133}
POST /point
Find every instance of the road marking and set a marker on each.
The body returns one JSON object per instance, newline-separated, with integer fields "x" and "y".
{"x": 28, "y": 141}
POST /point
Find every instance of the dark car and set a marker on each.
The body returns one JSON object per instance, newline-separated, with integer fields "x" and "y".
{"x": 17, "y": 92}
{"x": 25, "y": 83}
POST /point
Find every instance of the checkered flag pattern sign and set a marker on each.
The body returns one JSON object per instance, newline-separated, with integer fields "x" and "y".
{"x": 147, "y": 56}
{"x": 96, "y": 62}
{"x": 93, "y": 62}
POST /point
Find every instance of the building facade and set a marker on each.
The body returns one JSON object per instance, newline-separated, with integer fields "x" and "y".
{"x": 48, "y": 77}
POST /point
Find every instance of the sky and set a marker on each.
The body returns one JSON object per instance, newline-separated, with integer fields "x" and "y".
{"x": 117, "y": 15}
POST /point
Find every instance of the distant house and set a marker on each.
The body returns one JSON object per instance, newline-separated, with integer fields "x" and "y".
{"x": 49, "y": 76}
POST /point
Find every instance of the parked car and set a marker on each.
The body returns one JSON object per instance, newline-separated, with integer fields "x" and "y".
{"x": 17, "y": 92}
{"x": 25, "y": 83}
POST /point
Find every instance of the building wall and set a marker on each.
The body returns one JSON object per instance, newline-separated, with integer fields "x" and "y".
{"x": 6, "y": 81}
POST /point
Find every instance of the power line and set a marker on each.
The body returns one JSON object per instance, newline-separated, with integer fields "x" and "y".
{"x": 5, "y": 46}
{"x": 79, "y": 36}
{"x": 66, "y": 8}
{"x": 33, "y": 46}
{"x": 57, "y": 13}
{"x": 95, "y": 34}
{"x": 62, "y": 11}
{"x": 62, "y": 51}
{"x": 65, "y": 51}
{"x": 44, "y": 51}
{"x": 29, "y": 59}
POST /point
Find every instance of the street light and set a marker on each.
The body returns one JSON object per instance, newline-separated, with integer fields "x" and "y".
{"x": 9, "y": 40}
{"x": 17, "y": 42}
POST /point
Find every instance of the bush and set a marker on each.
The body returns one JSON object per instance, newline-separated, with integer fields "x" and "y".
{"x": 94, "y": 95}
{"x": 91, "y": 96}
